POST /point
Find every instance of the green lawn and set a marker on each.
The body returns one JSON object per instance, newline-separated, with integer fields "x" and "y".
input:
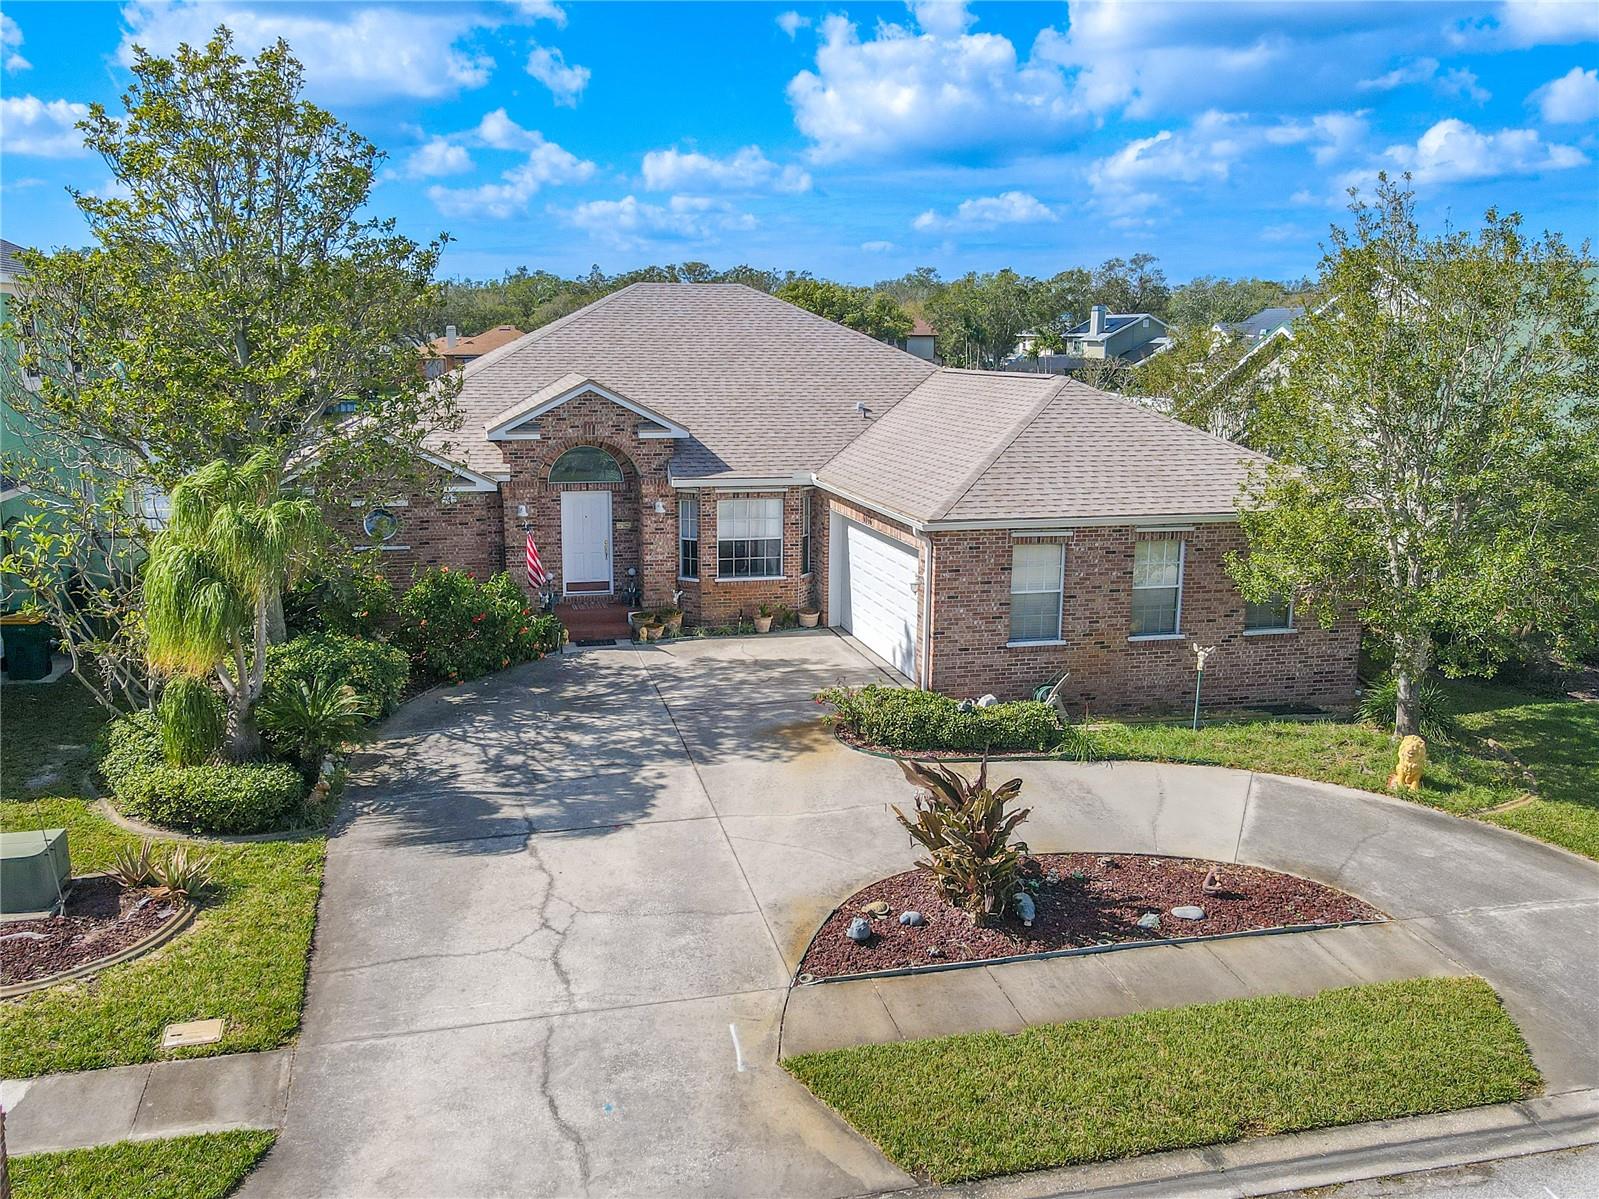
{"x": 1557, "y": 738}
{"x": 976, "y": 1105}
{"x": 200, "y": 1167}
{"x": 243, "y": 959}
{"x": 50, "y": 730}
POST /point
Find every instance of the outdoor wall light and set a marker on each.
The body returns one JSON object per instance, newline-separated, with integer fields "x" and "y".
{"x": 660, "y": 507}
{"x": 521, "y": 509}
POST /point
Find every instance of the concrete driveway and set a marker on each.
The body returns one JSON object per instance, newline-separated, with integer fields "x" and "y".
{"x": 559, "y": 924}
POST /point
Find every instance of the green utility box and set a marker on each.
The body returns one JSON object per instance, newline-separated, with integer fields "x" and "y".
{"x": 27, "y": 640}
{"x": 34, "y": 870}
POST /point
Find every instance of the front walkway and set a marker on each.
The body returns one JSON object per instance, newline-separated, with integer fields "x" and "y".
{"x": 556, "y": 937}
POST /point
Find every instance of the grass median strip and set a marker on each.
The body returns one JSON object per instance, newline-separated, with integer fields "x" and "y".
{"x": 971, "y": 1106}
{"x": 244, "y": 958}
{"x": 200, "y": 1167}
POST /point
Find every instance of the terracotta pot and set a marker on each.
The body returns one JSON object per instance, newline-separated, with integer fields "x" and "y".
{"x": 808, "y": 619}
{"x": 763, "y": 624}
{"x": 652, "y": 632}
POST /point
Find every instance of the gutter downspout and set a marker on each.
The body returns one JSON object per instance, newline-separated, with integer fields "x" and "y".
{"x": 925, "y": 670}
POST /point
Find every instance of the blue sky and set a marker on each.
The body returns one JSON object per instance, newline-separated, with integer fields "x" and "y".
{"x": 861, "y": 140}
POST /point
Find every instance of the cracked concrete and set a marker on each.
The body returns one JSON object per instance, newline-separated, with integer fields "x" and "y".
{"x": 558, "y": 890}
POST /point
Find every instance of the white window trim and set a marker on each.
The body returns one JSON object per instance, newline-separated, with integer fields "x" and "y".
{"x": 1034, "y": 644}
{"x": 782, "y": 541}
{"x": 1177, "y": 633}
{"x": 687, "y": 504}
{"x": 807, "y": 534}
{"x": 1274, "y": 630}
{"x": 750, "y": 578}
{"x": 1060, "y": 595}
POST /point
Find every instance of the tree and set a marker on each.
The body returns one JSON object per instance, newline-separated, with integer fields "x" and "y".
{"x": 231, "y": 543}
{"x": 857, "y": 307}
{"x": 235, "y": 299}
{"x": 1136, "y": 284}
{"x": 1206, "y": 381}
{"x": 1438, "y": 444}
{"x": 1207, "y": 300}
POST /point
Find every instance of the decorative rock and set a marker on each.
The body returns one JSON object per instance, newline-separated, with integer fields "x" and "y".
{"x": 876, "y": 908}
{"x": 987, "y": 701}
{"x": 1052, "y": 877}
{"x": 1108, "y": 863}
{"x": 933, "y": 951}
{"x": 911, "y": 918}
{"x": 966, "y": 705}
{"x": 1149, "y": 920}
{"x": 859, "y": 931}
{"x": 1026, "y": 908}
{"x": 1189, "y": 913}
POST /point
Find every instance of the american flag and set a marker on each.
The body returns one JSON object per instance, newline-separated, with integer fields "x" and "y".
{"x": 536, "y": 574}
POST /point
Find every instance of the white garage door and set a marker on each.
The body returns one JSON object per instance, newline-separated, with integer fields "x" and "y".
{"x": 879, "y": 594}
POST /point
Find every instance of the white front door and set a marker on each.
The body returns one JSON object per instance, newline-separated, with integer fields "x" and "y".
{"x": 586, "y": 541}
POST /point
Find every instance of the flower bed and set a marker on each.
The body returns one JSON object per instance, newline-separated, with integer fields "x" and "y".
{"x": 904, "y": 720}
{"x": 101, "y": 918}
{"x": 1081, "y": 900}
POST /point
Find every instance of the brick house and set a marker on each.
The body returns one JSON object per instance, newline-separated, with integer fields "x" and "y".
{"x": 979, "y": 531}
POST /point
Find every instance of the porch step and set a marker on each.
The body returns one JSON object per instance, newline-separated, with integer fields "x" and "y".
{"x": 593, "y": 622}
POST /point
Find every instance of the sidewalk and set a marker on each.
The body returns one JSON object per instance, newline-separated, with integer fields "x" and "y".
{"x": 164, "y": 1099}
{"x": 1009, "y": 996}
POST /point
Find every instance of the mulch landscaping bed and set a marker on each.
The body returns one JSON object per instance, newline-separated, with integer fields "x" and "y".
{"x": 101, "y": 918}
{"x": 1097, "y": 900}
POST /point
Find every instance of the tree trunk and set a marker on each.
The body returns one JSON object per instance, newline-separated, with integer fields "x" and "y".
{"x": 277, "y": 629}
{"x": 243, "y": 741}
{"x": 1412, "y": 657}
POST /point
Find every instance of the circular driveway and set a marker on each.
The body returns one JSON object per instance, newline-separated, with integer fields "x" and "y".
{"x": 562, "y": 912}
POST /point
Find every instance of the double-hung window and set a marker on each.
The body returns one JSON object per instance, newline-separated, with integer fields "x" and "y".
{"x": 805, "y": 534}
{"x": 1157, "y": 588}
{"x": 1035, "y": 591}
{"x": 688, "y": 535}
{"x": 1276, "y": 615}
{"x": 749, "y": 538}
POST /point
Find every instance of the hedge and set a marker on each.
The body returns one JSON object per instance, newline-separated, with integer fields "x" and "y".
{"x": 457, "y": 628}
{"x": 246, "y": 797}
{"x": 902, "y": 719}
{"x": 378, "y": 672}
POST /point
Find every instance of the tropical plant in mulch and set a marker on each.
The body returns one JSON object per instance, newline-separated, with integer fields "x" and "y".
{"x": 309, "y": 718}
{"x": 966, "y": 829}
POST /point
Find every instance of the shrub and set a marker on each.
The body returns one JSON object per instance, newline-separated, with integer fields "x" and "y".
{"x": 351, "y": 597}
{"x": 304, "y": 720}
{"x": 457, "y": 628}
{"x": 248, "y": 797}
{"x": 182, "y": 873}
{"x": 377, "y": 672}
{"x": 191, "y": 719}
{"x": 1436, "y": 721}
{"x": 964, "y": 826}
{"x": 898, "y": 718}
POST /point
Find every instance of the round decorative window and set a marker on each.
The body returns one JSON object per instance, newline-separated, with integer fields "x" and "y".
{"x": 381, "y": 524}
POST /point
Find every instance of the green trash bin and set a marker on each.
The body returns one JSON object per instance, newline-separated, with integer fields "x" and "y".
{"x": 27, "y": 640}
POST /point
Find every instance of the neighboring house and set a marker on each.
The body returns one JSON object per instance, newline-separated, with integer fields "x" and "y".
{"x": 1268, "y": 322}
{"x": 450, "y": 352}
{"x": 12, "y": 427}
{"x": 922, "y": 341}
{"x": 1126, "y": 337}
{"x": 979, "y": 530}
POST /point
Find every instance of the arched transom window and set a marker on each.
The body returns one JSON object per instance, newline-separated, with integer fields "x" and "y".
{"x": 585, "y": 464}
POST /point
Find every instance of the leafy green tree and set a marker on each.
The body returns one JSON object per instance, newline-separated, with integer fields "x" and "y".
{"x": 232, "y": 541}
{"x": 1438, "y": 444}
{"x": 235, "y": 299}
{"x": 1135, "y": 284}
{"x": 1204, "y": 380}
{"x": 1206, "y": 301}
{"x": 857, "y": 307}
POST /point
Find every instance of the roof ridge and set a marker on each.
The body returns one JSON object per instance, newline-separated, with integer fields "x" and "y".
{"x": 532, "y": 335}
{"x": 776, "y": 299}
{"x": 1170, "y": 420}
{"x": 987, "y": 460}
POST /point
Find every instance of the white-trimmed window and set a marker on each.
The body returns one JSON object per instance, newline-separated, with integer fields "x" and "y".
{"x": 688, "y": 535}
{"x": 805, "y": 534}
{"x": 1035, "y": 590}
{"x": 1276, "y": 615}
{"x": 749, "y": 538}
{"x": 1157, "y": 587}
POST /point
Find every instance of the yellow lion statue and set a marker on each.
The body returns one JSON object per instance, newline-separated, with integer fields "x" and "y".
{"x": 1412, "y": 757}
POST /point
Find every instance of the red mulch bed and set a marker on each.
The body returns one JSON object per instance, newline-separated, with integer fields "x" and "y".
{"x": 102, "y": 917}
{"x": 1097, "y": 901}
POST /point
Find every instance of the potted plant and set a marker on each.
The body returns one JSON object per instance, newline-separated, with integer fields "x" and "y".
{"x": 809, "y": 617}
{"x": 671, "y": 621}
{"x": 652, "y": 628}
{"x": 763, "y": 618}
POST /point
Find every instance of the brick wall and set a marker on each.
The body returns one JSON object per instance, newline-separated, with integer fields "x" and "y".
{"x": 829, "y": 504}
{"x": 461, "y": 530}
{"x": 714, "y": 601}
{"x": 1109, "y": 673}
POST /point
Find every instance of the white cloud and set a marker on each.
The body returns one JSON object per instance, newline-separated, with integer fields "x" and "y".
{"x": 937, "y": 89}
{"x": 499, "y": 132}
{"x": 357, "y": 55}
{"x": 549, "y": 67}
{"x": 1453, "y": 151}
{"x": 749, "y": 169}
{"x": 435, "y": 157}
{"x": 1457, "y": 81}
{"x": 1418, "y": 70}
{"x": 1573, "y": 99}
{"x": 878, "y": 247}
{"x": 42, "y": 128}
{"x": 1517, "y": 24}
{"x": 10, "y": 44}
{"x": 631, "y": 223}
{"x": 792, "y": 22}
{"x": 543, "y": 10}
{"x": 547, "y": 165}
{"x": 1330, "y": 135}
{"x": 1205, "y": 151}
{"x": 988, "y": 212}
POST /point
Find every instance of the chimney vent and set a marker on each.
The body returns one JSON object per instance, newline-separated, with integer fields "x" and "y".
{"x": 449, "y": 337}
{"x": 1096, "y": 319}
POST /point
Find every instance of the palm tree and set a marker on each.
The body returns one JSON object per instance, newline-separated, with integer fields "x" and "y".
{"x": 231, "y": 542}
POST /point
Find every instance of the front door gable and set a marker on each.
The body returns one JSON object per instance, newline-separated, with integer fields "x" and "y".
{"x": 520, "y": 421}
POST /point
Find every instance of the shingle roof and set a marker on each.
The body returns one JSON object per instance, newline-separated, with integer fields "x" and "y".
{"x": 764, "y": 388}
{"x": 9, "y": 263}
{"x": 478, "y": 343}
{"x": 1265, "y": 321}
{"x": 980, "y": 446}
{"x": 1114, "y": 322}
